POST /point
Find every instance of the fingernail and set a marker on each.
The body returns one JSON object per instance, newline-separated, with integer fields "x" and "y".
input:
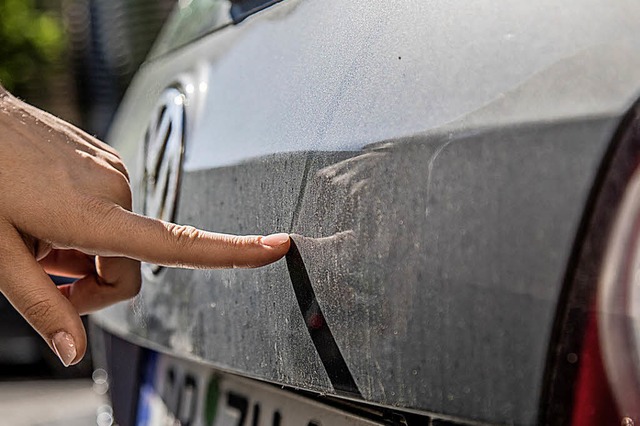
{"x": 65, "y": 347}
{"x": 275, "y": 240}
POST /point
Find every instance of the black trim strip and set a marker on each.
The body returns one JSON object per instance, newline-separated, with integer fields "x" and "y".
{"x": 323, "y": 340}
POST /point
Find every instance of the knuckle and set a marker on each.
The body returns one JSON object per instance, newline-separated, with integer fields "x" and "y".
{"x": 237, "y": 241}
{"x": 38, "y": 311}
{"x": 124, "y": 193}
{"x": 183, "y": 235}
{"x": 116, "y": 162}
{"x": 121, "y": 166}
{"x": 120, "y": 189}
{"x": 243, "y": 241}
{"x": 106, "y": 147}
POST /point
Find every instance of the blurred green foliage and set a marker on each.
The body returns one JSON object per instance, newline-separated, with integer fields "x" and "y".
{"x": 31, "y": 40}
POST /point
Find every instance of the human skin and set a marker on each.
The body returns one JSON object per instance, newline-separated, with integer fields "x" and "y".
{"x": 65, "y": 209}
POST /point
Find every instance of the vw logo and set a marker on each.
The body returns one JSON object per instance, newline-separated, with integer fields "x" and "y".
{"x": 162, "y": 157}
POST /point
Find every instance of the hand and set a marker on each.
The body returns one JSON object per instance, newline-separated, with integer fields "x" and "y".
{"x": 65, "y": 209}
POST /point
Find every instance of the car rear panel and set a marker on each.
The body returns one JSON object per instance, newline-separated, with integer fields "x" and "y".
{"x": 433, "y": 163}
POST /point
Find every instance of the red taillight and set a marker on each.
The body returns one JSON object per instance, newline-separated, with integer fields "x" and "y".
{"x": 593, "y": 375}
{"x": 593, "y": 402}
{"x": 607, "y": 385}
{"x": 618, "y": 299}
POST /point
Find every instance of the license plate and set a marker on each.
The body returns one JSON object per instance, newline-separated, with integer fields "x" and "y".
{"x": 175, "y": 392}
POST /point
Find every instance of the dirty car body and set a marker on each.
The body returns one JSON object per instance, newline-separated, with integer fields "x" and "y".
{"x": 438, "y": 166}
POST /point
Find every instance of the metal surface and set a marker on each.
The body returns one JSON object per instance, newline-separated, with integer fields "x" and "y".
{"x": 190, "y": 21}
{"x": 195, "y": 19}
{"x": 433, "y": 162}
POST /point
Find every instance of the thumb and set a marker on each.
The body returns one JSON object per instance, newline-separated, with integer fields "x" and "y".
{"x": 29, "y": 289}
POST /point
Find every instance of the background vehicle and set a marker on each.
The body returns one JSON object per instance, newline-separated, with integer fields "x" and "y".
{"x": 456, "y": 178}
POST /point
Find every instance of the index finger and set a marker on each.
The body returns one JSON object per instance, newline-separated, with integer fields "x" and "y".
{"x": 123, "y": 233}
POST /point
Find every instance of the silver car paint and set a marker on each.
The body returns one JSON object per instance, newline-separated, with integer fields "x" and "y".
{"x": 433, "y": 159}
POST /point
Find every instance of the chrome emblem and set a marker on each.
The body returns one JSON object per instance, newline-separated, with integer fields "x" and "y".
{"x": 163, "y": 151}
